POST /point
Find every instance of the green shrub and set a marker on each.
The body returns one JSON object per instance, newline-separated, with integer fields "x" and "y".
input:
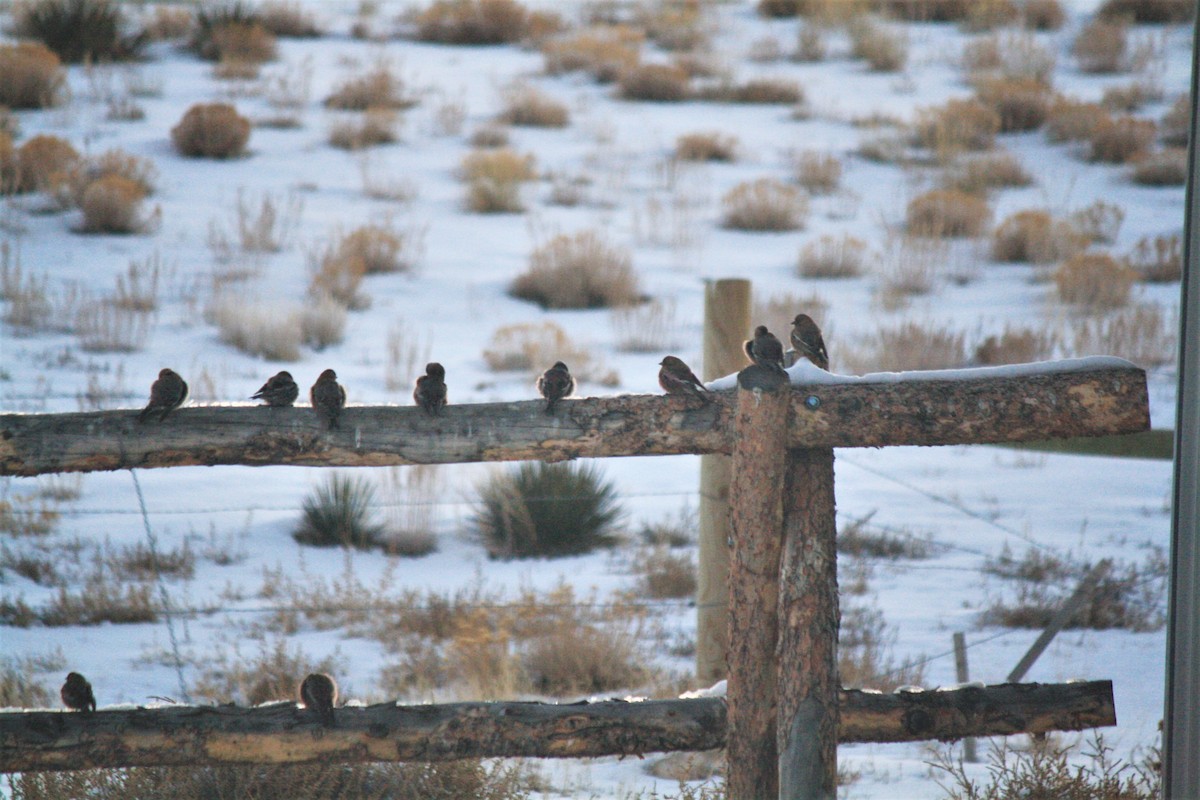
{"x": 338, "y": 514}
{"x": 547, "y": 510}
{"x": 79, "y": 30}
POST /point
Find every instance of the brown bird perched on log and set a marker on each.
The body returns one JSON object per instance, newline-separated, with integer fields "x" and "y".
{"x": 328, "y": 397}
{"x": 280, "y": 391}
{"x": 554, "y": 384}
{"x": 318, "y": 692}
{"x": 676, "y": 377}
{"x": 76, "y": 693}
{"x": 764, "y": 349}
{"x": 430, "y": 390}
{"x": 808, "y": 342}
{"x": 167, "y": 393}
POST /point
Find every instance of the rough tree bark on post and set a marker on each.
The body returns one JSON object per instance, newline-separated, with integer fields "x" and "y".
{"x": 808, "y": 630}
{"x": 756, "y": 494}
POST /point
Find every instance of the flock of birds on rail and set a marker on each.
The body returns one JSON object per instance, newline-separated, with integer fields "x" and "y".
{"x": 318, "y": 692}
{"x": 328, "y": 397}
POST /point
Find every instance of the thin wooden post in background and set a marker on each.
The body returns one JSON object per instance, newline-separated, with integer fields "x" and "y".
{"x": 963, "y": 674}
{"x": 756, "y": 496}
{"x": 1081, "y": 595}
{"x": 726, "y": 326}
{"x": 808, "y": 631}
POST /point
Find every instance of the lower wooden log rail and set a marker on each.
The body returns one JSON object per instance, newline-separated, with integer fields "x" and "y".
{"x": 42, "y": 740}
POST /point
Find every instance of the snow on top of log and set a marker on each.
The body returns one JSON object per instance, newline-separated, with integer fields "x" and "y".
{"x": 716, "y": 690}
{"x": 806, "y": 374}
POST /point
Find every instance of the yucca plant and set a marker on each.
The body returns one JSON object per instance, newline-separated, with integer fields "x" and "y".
{"x": 547, "y": 510}
{"x": 338, "y": 514}
{"x": 79, "y": 30}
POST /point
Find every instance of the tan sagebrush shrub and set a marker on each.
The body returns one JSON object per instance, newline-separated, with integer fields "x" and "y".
{"x": 706, "y": 146}
{"x": 211, "y": 130}
{"x": 911, "y": 346}
{"x": 1157, "y": 259}
{"x": 1152, "y": 11}
{"x": 378, "y": 87}
{"x": 817, "y": 172}
{"x": 1022, "y": 104}
{"x": 112, "y": 204}
{"x": 765, "y": 204}
{"x": 473, "y": 22}
{"x": 605, "y": 51}
{"x": 1119, "y": 140}
{"x": 528, "y": 106}
{"x": 832, "y": 257}
{"x": 1043, "y": 15}
{"x": 1100, "y": 46}
{"x": 578, "y": 271}
{"x": 1094, "y": 280}
{"x": 1008, "y": 55}
{"x": 1176, "y": 124}
{"x": 957, "y": 126}
{"x": 375, "y": 126}
{"x": 947, "y": 213}
{"x": 1099, "y": 221}
{"x": 1070, "y": 120}
{"x": 663, "y": 83}
{"x": 269, "y": 330}
{"x": 45, "y": 163}
{"x": 1016, "y": 345}
{"x": 494, "y": 179}
{"x": 241, "y": 43}
{"x": 381, "y": 248}
{"x": 288, "y": 19}
{"x": 1034, "y": 236}
{"x": 138, "y": 169}
{"x": 765, "y": 91}
{"x": 33, "y": 76}
{"x": 1166, "y": 167}
{"x": 884, "y": 48}
{"x": 980, "y": 174}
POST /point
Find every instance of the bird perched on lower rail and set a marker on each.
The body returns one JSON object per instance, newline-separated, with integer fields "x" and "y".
{"x": 430, "y": 389}
{"x": 280, "y": 390}
{"x": 76, "y": 693}
{"x": 318, "y": 692}
{"x": 676, "y": 377}
{"x": 328, "y": 398}
{"x": 554, "y": 384}
{"x": 808, "y": 342}
{"x": 167, "y": 393}
{"x": 764, "y": 349}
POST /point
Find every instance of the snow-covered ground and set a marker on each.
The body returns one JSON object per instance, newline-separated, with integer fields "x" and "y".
{"x": 975, "y": 501}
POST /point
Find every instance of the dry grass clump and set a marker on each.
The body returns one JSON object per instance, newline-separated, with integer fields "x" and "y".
{"x": 531, "y": 347}
{"x": 239, "y": 47}
{"x": 1095, "y": 281}
{"x": 777, "y": 310}
{"x": 141, "y": 171}
{"x": 986, "y": 15}
{"x": 675, "y": 26}
{"x": 379, "y": 87}
{"x": 18, "y": 686}
{"x": 78, "y": 31}
{"x": 489, "y": 136}
{"x": 270, "y": 330}
{"x": 1130, "y": 97}
{"x": 1157, "y": 259}
{"x": 288, "y": 19}
{"x": 957, "y": 126}
{"x": 911, "y": 346}
{"x": 1100, "y": 48}
{"x": 1034, "y": 236}
{"x": 1152, "y": 11}
{"x": 766, "y": 91}
{"x": 864, "y": 653}
{"x": 494, "y": 179}
{"x": 706, "y": 146}
{"x": 338, "y": 273}
{"x": 211, "y": 130}
{"x": 1011, "y": 55}
{"x": 911, "y": 266}
{"x": 44, "y": 163}
{"x": 1166, "y": 167}
{"x": 765, "y": 204}
{"x": 604, "y": 52}
{"x": 33, "y": 76}
{"x": 1142, "y": 333}
{"x": 1016, "y": 345}
{"x": 1069, "y": 120}
{"x": 1022, "y": 104}
{"x": 819, "y": 173}
{"x": 578, "y": 271}
{"x": 473, "y": 22}
{"x": 112, "y": 204}
{"x": 664, "y": 575}
{"x": 645, "y": 328}
{"x": 1043, "y": 15}
{"x": 925, "y": 10}
{"x": 380, "y": 248}
{"x": 374, "y": 127}
{"x": 981, "y": 174}
{"x": 832, "y": 257}
{"x": 1118, "y": 140}
{"x": 947, "y": 213}
{"x": 1176, "y": 124}
{"x": 1099, "y": 222}
{"x": 338, "y": 514}
{"x": 102, "y": 326}
{"x": 662, "y": 83}
{"x": 526, "y": 105}
{"x": 884, "y": 48}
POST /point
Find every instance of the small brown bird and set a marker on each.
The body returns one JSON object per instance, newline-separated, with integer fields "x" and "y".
{"x": 318, "y": 692}
{"x": 328, "y": 397}
{"x": 808, "y": 342}
{"x": 76, "y": 693}
{"x": 280, "y": 391}
{"x": 764, "y": 349}
{"x": 676, "y": 377}
{"x": 555, "y": 384}
{"x": 430, "y": 390}
{"x": 167, "y": 393}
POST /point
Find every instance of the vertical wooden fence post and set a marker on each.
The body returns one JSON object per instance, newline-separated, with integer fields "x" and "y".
{"x": 726, "y": 326}
{"x": 756, "y": 494}
{"x": 963, "y": 674}
{"x": 808, "y": 630}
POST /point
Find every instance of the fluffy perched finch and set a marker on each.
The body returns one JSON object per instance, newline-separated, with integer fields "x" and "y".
{"x": 328, "y": 397}
{"x": 430, "y": 390}
{"x": 807, "y": 341}
{"x": 764, "y": 349}
{"x": 76, "y": 693}
{"x": 279, "y": 391}
{"x": 676, "y": 377}
{"x": 555, "y": 384}
{"x": 318, "y": 693}
{"x": 166, "y": 394}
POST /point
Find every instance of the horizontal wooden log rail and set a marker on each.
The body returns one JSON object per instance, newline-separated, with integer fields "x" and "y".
{"x": 1083, "y": 397}
{"x": 284, "y": 733}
